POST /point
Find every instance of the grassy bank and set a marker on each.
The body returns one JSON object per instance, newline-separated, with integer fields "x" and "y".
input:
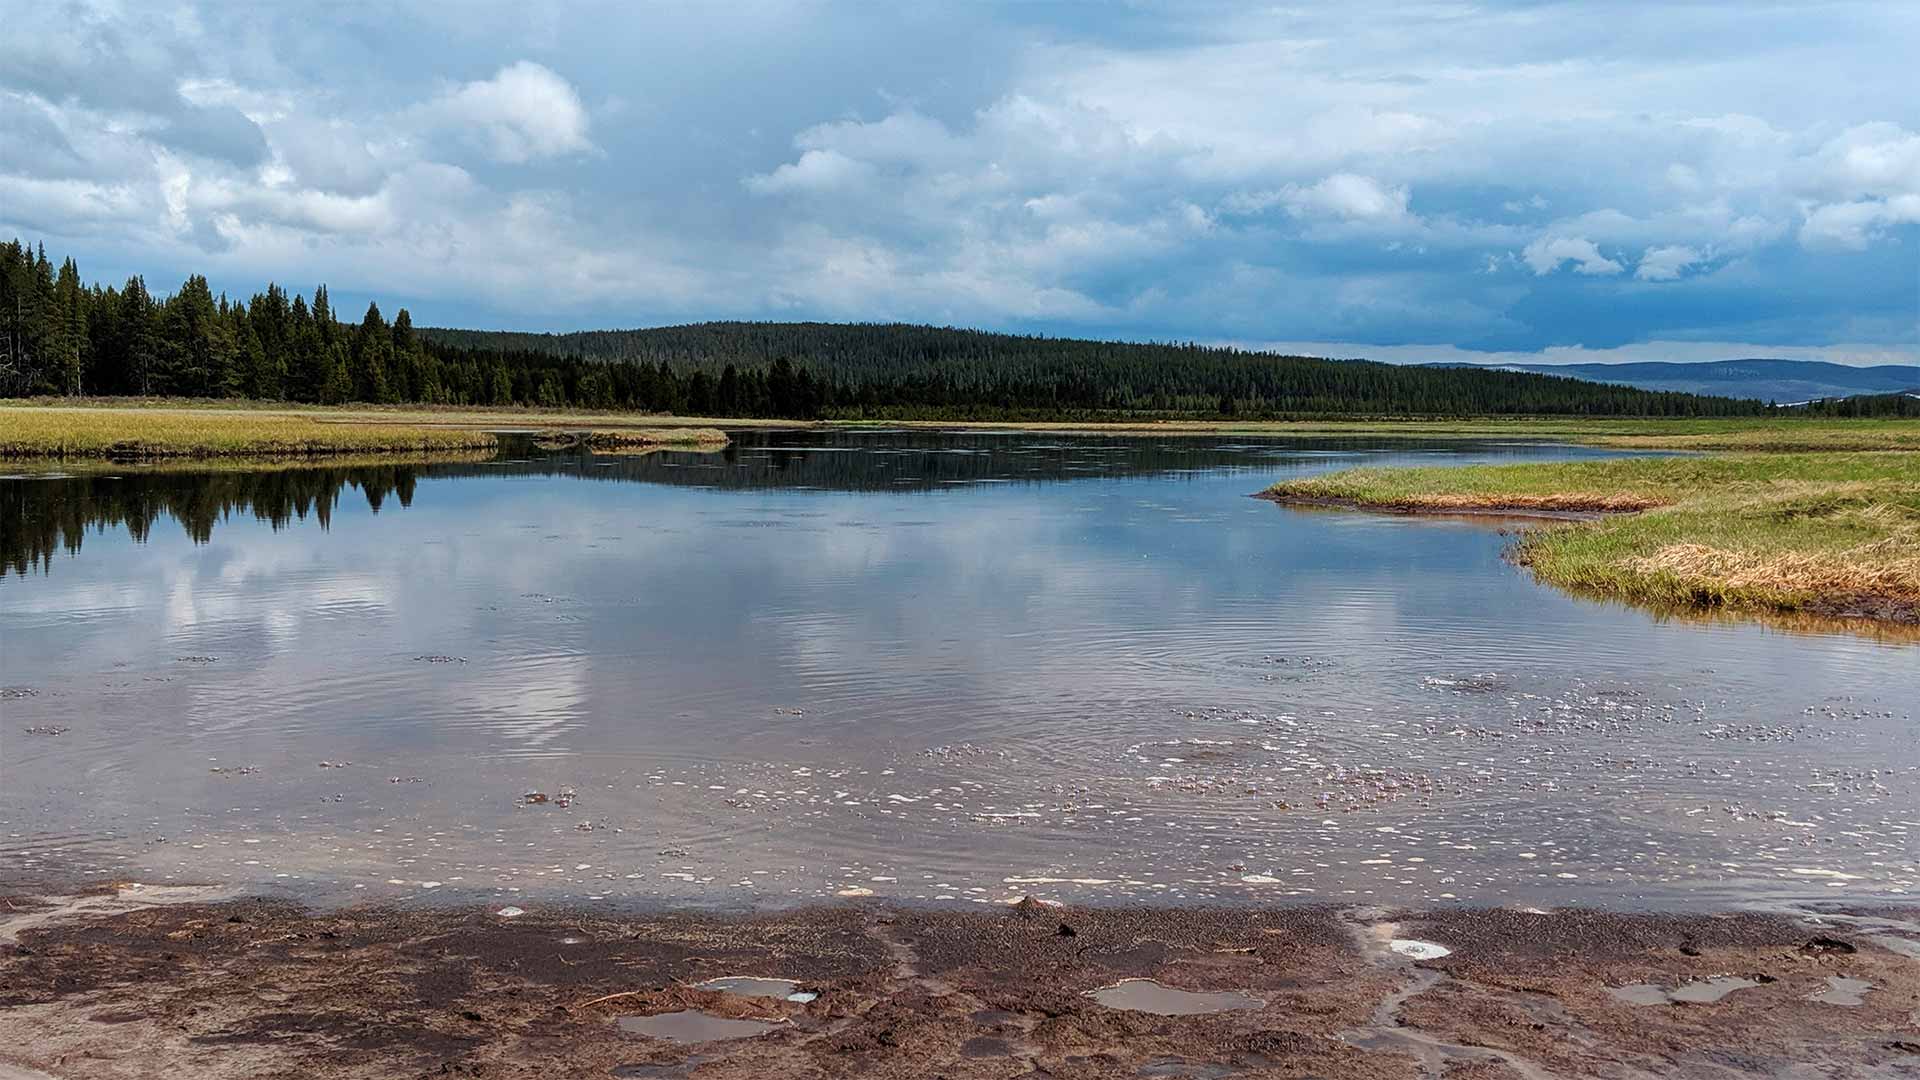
{"x": 1782, "y": 433}
{"x": 1827, "y": 533}
{"x": 35, "y": 431}
{"x": 632, "y": 439}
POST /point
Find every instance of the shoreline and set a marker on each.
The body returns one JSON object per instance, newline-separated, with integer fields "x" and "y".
{"x": 31, "y": 426}
{"x": 1492, "y": 511}
{"x": 1832, "y": 535}
{"x": 159, "y": 981}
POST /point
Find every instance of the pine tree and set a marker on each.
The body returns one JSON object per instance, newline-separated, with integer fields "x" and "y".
{"x": 69, "y": 345}
{"x": 141, "y": 348}
{"x": 372, "y": 357}
{"x": 306, "y": 356}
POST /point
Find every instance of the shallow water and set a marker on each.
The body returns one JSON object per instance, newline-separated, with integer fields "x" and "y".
{"x": 1145, "y": 995}
{"x": 916, "y": 666}
{"x": 1844, "y": 991}
{"x": 693, "y": 1026}
{"x": 752, "y": 986}
{"x": 1705, "y": 992}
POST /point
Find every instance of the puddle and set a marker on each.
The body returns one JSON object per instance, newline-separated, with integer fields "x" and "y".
{"x": 693, "y": 1026}
{"x": 985, "y": 1046}
{"x": 1145, "y": 995}
{"x": 1419, "y": 950}
{"x": 1842, "y": 990}
{"x": 753, "y": 986}
{"x": 1699, "y": 993}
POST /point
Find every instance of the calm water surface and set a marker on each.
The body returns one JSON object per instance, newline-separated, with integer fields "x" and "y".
{"x": 924, "y": 666}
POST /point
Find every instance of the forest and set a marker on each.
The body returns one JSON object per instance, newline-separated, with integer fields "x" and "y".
{"x": 62, "y": 336}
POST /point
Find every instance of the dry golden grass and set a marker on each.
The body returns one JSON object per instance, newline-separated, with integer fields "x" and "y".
{"x": 1758, "y": 532}
{"x": 647, "y": 437}
{"x": 1872, "y": 569}
{"x": 162, "y": 433}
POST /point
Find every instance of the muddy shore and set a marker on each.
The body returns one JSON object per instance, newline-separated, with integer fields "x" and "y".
{"x": 157, "y": 982}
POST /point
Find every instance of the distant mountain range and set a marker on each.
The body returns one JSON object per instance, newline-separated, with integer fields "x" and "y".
{"x": 1781, "y": 381}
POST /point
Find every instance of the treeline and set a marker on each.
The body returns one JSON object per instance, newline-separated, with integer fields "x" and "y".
{"x": 901, "y": 371}
{"x": 1861, "y": 405}
{"x": 59, "y": 335}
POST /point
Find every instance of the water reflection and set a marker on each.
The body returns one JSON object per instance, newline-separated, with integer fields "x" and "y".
{"x": 43, "y": 516}
{"x": 1093, "y": 669}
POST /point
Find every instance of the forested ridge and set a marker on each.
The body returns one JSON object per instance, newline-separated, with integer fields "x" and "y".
{"x": 59, "y": 335}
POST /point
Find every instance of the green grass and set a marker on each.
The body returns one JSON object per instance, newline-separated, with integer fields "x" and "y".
{"x": 178, "y": 433}
{"x": 1828, "y": 533}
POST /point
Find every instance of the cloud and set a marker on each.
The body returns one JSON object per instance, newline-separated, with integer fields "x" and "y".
{"x": 1852, "y": 226}
{"x": 1502, "y": 176}
{"x": 523, "y": 113}
{"x": 216, "y": 131}
{"x": 1549, "y": 253}
{"x": 1342, "y": 196}
{"x": 816, "y": 171}
{"x": 1666, "y": 263}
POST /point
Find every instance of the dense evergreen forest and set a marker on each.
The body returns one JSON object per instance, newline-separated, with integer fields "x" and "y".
{"x": 59, "y": 335}
{"x": 1859, "y": 406}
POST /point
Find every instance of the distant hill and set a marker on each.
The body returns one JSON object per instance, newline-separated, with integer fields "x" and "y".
{"x": 897, "y": 370}
{"x": 1781, "y": 381}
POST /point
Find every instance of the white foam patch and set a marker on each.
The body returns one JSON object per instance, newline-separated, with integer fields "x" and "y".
{"x": 1419, "y": 950}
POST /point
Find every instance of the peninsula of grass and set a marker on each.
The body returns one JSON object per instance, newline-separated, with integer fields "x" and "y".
{"x": 1821, "y": 533}
{"x": 80, "y": 433}
{"x": 695, "y": 438}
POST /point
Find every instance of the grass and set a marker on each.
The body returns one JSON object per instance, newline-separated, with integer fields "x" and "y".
{"x": 1823, "y": 533}
{"x": 186, "y": 433}
{"x": 632, "y": 438}
{"x": 1741, "y": 433}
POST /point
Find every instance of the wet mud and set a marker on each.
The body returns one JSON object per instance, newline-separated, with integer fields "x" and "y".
{"x": 159, "y": 983}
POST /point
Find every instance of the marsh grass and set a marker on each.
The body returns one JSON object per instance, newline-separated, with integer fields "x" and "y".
{"x": 1826, "y": 532}
{"x": 181, "y": 433}
{"x": 633, "y": 439}
{"x": 1781, "y": 433}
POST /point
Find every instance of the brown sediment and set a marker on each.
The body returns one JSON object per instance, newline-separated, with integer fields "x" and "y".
{"x": 265, "y": 989}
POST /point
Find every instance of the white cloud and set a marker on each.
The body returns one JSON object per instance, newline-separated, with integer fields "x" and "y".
{"x": 817, "y": 171}
{"x": 1869, "y": 180}
{"x": 1852, "y": 226}
{"x": 1343, "y": 196}
{"x": 1199, "y": 171}
{"x": 1666, "y": 263}
{"x": 1549, "y": 253}
{"x": 524, "y": 112}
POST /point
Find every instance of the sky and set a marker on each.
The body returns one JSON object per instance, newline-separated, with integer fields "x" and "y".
{"x": 1553, "y": 182}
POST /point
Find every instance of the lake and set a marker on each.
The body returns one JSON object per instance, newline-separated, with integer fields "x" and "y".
{"x": 914, "y": 665}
